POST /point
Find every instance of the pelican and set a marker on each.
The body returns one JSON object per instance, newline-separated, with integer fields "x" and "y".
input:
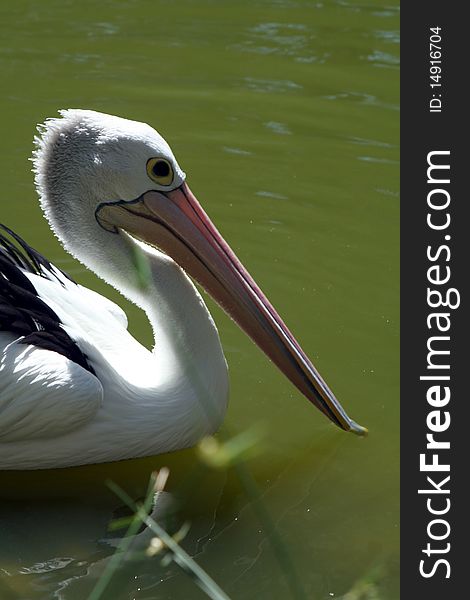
{"x": 75, "y": 387}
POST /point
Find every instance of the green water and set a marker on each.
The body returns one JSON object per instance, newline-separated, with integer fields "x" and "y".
{"x": 284, "y": 114}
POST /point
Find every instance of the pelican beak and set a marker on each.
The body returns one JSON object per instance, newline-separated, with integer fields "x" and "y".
{"x": 175, "y": 223}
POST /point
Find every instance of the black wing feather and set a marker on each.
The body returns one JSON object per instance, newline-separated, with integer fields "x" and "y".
{"x": 21, "y": 310}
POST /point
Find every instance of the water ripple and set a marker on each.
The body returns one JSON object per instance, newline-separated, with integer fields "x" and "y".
{"x": 271, "y": 85}
{"x": 383, "y": 59}
{"x": 361, "y": 98}
{"x": 376, "y": 159}
{"x": 266, "y": 194}
{"x": 279, "y": 128}
{"x": 283, "y": 39}
{"x": 386, "y": 192}
{"x": 230, "y": 150}
{"x": 390, "y": 36}
{"x": 366, "y": 142}
{"x": 46, "y": 567}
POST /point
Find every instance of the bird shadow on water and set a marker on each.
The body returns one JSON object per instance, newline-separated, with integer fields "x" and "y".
{"x": 54, "y": 539}
{"x": 70, "y": 547}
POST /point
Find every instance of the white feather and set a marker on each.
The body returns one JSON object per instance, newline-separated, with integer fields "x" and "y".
{"x": 141, "y": 402}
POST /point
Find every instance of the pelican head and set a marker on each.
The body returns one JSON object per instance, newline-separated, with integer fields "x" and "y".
{"x": 102, "y": 179}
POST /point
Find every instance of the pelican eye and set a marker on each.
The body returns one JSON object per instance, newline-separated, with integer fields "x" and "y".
{"x": 160, "y": 171}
